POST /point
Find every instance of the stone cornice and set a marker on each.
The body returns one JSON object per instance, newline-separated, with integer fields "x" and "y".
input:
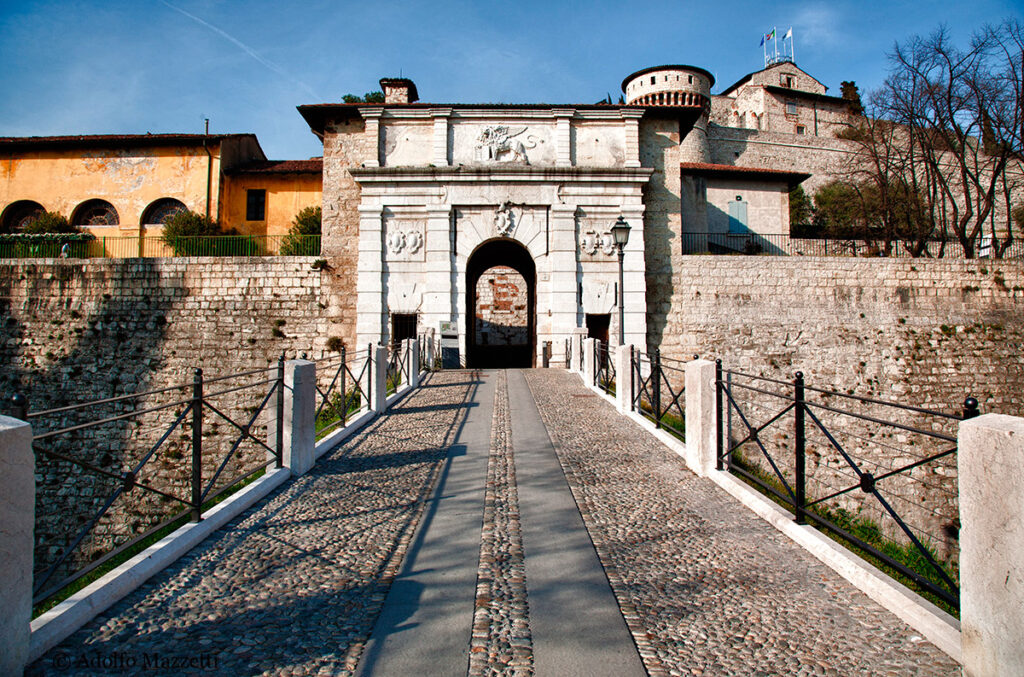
{"x": 492, "y": 173}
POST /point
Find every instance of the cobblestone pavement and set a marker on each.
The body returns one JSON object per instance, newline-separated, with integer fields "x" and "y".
{"x": 501, "y": 643}
{"x": 706, "y": 587}
{"x": 294, "y": 585}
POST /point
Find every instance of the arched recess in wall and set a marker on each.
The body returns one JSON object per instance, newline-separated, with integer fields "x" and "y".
{"x": 497, "y": 253}
{"x": 19, "y": 214}
{"x": 159, "y": 211}
{"x": 95, "y": 213}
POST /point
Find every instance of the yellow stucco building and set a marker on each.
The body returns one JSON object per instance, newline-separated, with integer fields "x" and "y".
{"x": 121, "y": 188}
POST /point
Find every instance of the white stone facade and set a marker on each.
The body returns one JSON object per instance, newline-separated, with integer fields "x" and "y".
{"x": 446, "y": 181}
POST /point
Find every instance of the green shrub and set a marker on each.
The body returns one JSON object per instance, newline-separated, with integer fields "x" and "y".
{"x": 50, "y": 222}
{"x": 191, "y": 234}
{"x": 303, "y": 238}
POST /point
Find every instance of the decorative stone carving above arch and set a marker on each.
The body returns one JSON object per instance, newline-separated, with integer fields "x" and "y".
{"x": 598, "y": 297}
{"x": 404, "y": 297}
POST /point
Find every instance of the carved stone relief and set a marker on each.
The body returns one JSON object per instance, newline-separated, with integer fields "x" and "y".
{"x": 501, "y": 143}
{"x": 591, "y": 242}
{"x": 505, "y": 220}
{"x": 404, "y": 241}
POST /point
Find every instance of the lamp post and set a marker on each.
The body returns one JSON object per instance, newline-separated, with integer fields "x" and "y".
{"x": 620, "y": 233}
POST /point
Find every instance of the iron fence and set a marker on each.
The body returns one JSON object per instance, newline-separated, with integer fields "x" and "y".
{"x": 786, "y": 245}
{"x": 657, "y": 390}
{"x": 114, "y": 472}
{"x": 604, "y": 367}
{"x": 349, "y": 378}
{"x": 398, "y": 366}
{"x": 864, "y": 470}
{"x": 148, "y": 246}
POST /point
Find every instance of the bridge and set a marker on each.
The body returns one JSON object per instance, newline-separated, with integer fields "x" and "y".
{"x": 500, "y": 522}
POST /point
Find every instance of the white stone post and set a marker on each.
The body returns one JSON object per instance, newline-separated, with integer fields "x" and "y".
{"x": 379, "y": 376}
{"x": 623, "y": 378}
{"x": 412, "y": 354}
{"x": 701, "y": 443}
{"x": 298, "y": 418}
{"x": 17, "y": 508}
{"x": 989, "y": 457}
{"x": 299, "y": 415}
{"x": 589, "y": 353}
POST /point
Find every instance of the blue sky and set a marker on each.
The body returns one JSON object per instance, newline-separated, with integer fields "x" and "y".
{"x": 156, "y": 66}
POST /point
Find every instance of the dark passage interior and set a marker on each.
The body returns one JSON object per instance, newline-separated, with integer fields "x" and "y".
{"x": 500, "y": 306}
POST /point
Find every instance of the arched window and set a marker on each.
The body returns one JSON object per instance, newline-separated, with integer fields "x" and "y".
{"x": 95, "y": 213}
{"x": 19, "y": 214}
{"x": 161, "y": 210}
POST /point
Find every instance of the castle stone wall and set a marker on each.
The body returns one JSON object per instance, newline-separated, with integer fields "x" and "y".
{"x": 80, "y": 331}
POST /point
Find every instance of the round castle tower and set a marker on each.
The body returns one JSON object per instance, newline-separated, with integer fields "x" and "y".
{"x": 676, "y": 86}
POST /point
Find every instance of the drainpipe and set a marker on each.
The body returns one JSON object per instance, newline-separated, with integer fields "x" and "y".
{"x": 209, "y": 167}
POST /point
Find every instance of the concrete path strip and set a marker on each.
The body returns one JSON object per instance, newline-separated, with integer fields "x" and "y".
{"x": 425, "y": 625}
{"x": 574, "y": 618}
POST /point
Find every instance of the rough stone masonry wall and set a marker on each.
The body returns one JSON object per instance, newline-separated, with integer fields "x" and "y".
{"x": 77, "y": 331}
{"x": 922, "y": 332}
{"x": 347, "y": 144}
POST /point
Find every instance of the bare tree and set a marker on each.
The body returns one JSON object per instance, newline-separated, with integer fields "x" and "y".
{"x": 940, "y": 146}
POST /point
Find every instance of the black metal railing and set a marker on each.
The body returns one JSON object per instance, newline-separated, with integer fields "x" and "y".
{"x": 604, "y": 367}
{"x": 657, "y": 390}
{"x": 786, "y": 245}
{"x": 122, "y": 452}
{"x": 349, "y": 378}
{"x": 397, "y": 366}
{"x": 862, "y": 469}
{"x": 155, "y": 246}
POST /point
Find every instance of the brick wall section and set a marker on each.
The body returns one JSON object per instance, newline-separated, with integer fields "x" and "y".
{"x": 82, "y": 331}
{"x": 501, "y": 308}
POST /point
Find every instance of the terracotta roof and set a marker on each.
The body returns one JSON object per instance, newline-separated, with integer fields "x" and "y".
{"x": 800, "y": 94}
{"x": 8, "y": 143}
{"x": 310, "y": 166}
{"x": 746, "y": 78}
{"x": 732, "y": 171}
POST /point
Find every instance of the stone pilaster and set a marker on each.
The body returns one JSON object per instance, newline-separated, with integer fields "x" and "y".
{"x": 632, "y": 117}
{"x": 439, "y": 154}
{"x": 372, "y": 117}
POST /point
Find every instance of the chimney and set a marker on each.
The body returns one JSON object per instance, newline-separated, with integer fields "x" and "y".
{"x": 399, "y": 90}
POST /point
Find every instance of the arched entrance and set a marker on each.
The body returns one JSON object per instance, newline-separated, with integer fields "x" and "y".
{"x": 501, "y": 304}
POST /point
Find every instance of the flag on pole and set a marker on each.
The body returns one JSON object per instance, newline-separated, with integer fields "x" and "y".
{"x": 771, "y": 35}
{"x": 762, "y": 41}
{"x": 789, "y": 34}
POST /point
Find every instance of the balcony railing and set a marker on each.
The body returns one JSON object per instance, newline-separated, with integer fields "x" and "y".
{"x": 118, "y": 247}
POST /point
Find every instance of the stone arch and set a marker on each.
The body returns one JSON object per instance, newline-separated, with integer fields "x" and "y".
{"x": 18, "y": 214}
{"x": 95, "y": 213}
{"x": 501, "y": 253}
{"x": 159, "y": 211}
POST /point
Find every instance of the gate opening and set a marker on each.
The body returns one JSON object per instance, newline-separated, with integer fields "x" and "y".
{"x": 501, "y": 281}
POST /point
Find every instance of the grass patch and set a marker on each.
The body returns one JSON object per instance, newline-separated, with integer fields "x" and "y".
{"x": 329, "y": 417}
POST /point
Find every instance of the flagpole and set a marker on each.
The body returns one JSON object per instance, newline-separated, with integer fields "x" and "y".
{"x": 775, "y": 37}
{"x": 792, "y": 45}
